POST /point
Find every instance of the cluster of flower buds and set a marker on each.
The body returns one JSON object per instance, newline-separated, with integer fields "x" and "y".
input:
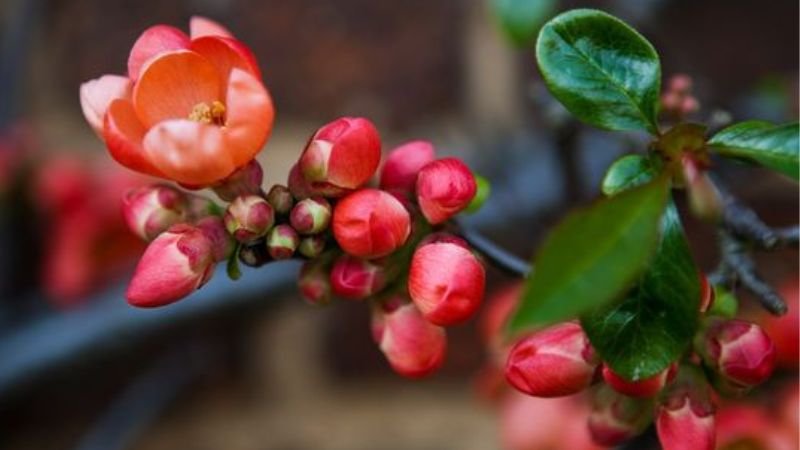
{"x": 389, "y": 243}
{"x": 677, "y": 100}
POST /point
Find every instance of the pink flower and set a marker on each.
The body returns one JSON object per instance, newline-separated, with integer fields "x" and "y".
{"x": 192, "y": 109}
{"x": 444, "y": 188}
{"x": 413, "y": 346}
{"x": 344, "y": 153}
{"x": 740, "y": 352}
{"x": 647, "y": 387}
{"x": 175, "y": 264}
{"x": 150, "y": 210}
{"x": 356, "y": 278}
{"x": 370, "y": 223}
{"x": 553, "y": 362}
{"x": 446, "y": 282}
{"x": 399, "y": 172}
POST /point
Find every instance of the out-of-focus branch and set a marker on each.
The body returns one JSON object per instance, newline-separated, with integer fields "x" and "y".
{"x": 496, "y": 256}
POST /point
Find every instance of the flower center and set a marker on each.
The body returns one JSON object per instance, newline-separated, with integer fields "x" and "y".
{"x": 205, "y": 113}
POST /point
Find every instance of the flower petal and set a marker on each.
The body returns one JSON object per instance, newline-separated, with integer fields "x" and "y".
{"x": 226, "y": 54}
{"x": 123, "y": 133}
{"x": 249, "y": 116}
{"x": 189, "y": 152}
{"x": 200, "y": 26}
{"x": 96, "y": 95}
{"x": 152, "y": 42}
{"x": 172, "y": 84}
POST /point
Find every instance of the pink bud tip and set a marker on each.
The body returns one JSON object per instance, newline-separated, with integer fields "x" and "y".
{"x": 245, "y": 180}
{"x": 446, "y": 282}
{"x": 282, "y": 241}
{"x": 399, "y": 172}
{"x": 314, "y": 283}
{"x": 150, "y": 210}
{"x": 213, "y": 228}
{"x": 553, "y": 362}
{"x": 370, "y": 223}
{"x": 740, "y": 351}
{"x": 444, "y": 188}
{"x": 355, "y": 278}
{"x": 413, "y": 346}
{"x": 647, "y": 387}
{"x": 280, "y": 197}
{"x": 312, "y": 246}
{"x": 174, "y": 265}
{"x": 311, "y": 215}
{"x": 249, "y": 217}
{"x": 344, "y": 153}
{"x": 684, "y": 424}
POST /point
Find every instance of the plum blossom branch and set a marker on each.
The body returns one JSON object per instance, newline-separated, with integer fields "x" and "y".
{"x": 495, "y": 255}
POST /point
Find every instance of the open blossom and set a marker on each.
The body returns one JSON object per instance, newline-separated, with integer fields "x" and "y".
{"x": 191, "y": 109}
{"x": 444, "y": 188}
{"x": 370, "y": 223}
{"x": 446, "y": 282}
{"x": 553, "y": 362}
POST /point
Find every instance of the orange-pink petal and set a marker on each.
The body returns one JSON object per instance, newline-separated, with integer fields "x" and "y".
{"x": 172, "y": 84}
{"x": 189, "y": 152}
{"x": 123, "y": 133}
{"x": 200, "y": 26}
{"x": 97, "y": 94}
{"x": 152, "y": 42}
{"x": 249, "y": 116}
{"x": 226, "y": 54}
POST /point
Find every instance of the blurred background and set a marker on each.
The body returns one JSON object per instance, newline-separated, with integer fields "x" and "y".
{"x": 248, "y": 365}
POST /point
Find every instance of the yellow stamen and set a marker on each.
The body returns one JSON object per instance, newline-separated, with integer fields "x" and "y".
{"x": 205, "y": 113}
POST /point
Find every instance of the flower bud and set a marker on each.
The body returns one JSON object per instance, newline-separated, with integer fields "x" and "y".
{"x": 200, "y": 207}
{"x": 740, "y": 352}
{"x": 344, "y": 153}
{"x": 314, "y": 283}
{"x": 399, "y": 172}
{"x": 245, "y": 180}
{"x": 680, "y": 83}
{"x": 553, "y": 362}
{"x": 446, "y": 282}
{"x": 616, "y": 418}
{"x": 254, "y": 254}
{"x": 685, "y": 417}
{"x": 647, "y": 387}
{"x": 704, "y": 198}
{"x": 413, "y": 346}
{"x": 174, "y": 265}
{"x": 442, "y": 237}
{"x": 312, "y": 246}
{"x": 280, "y": 197}
{"x": 785, "y": 330}
{"x": 444, "y": 187}
{"x": 311, "y": 215}
{"x": 150, "y": 210}
{"x": 355, "y": 278}
{"x": 370, "y": 223}
{"x": 282, "y": 241}
{"x": 249, "y": 217}
{"x": 213, "y": 227}
{"x": 301, "y": 188}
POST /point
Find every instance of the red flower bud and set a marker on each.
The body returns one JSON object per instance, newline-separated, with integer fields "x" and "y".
{"x": 706, "y": 294}
{"x": 150, "y": 210}
{"x": 311, "y": 215}
{"x": 647, "y": 387}
{"x": 446, "y": 282}
{"x": 553, "y": 362}
{"x": 685, "y": 421}
{"x": 173, "y": 266}
{"x": 314, "y": 283}
{"x": 312, "y": 246}
{"x": 249, "y": 217}
{"x": 616, "y": 418}
{"x": 282, "y": 241}
{"x": 245, "y": 180}
{"x": 399, "y": 172}
{"x": 355, "y": 278}
{"x": 301, "y": 188}
{"x": 444, "y": 188}
{"x": 413, "y": 346}
{"x": 680, "y": 83}
{"x": 740, "y": 352}
{"x": 280, "y": 197}
{"x": 344, "y": 153}
{"x": 213, "y": 228}
{"x": 370, "y": 223}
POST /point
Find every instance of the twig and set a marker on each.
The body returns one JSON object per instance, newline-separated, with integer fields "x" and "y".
{"x": 496, "y": 256}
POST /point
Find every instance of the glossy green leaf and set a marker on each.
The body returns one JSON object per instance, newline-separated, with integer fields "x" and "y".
{"x": 602, "y": 70}
{"x": 592, "y": 257}
{"x": 774, "y": 146}
{"x": 655, "y": 324}
{"x": 628, "y": 172}
{"x": 521, "y": 20}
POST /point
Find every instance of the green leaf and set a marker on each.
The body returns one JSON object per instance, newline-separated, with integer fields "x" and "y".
{"x": 234, "y": 273}
{"x": 592, "y": 257}
{"x": 602, "y": 70}
{"x": 628, "y": 172}
{"x": 521, "y": 20}
{"x": 655, "y": 324}
{"x": 483, "y": 192}
{"x": 774, "y": 146}
{"x": 725, "y": 303}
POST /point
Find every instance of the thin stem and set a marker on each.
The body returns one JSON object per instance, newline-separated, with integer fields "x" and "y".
{"x": 496, "y": 256}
